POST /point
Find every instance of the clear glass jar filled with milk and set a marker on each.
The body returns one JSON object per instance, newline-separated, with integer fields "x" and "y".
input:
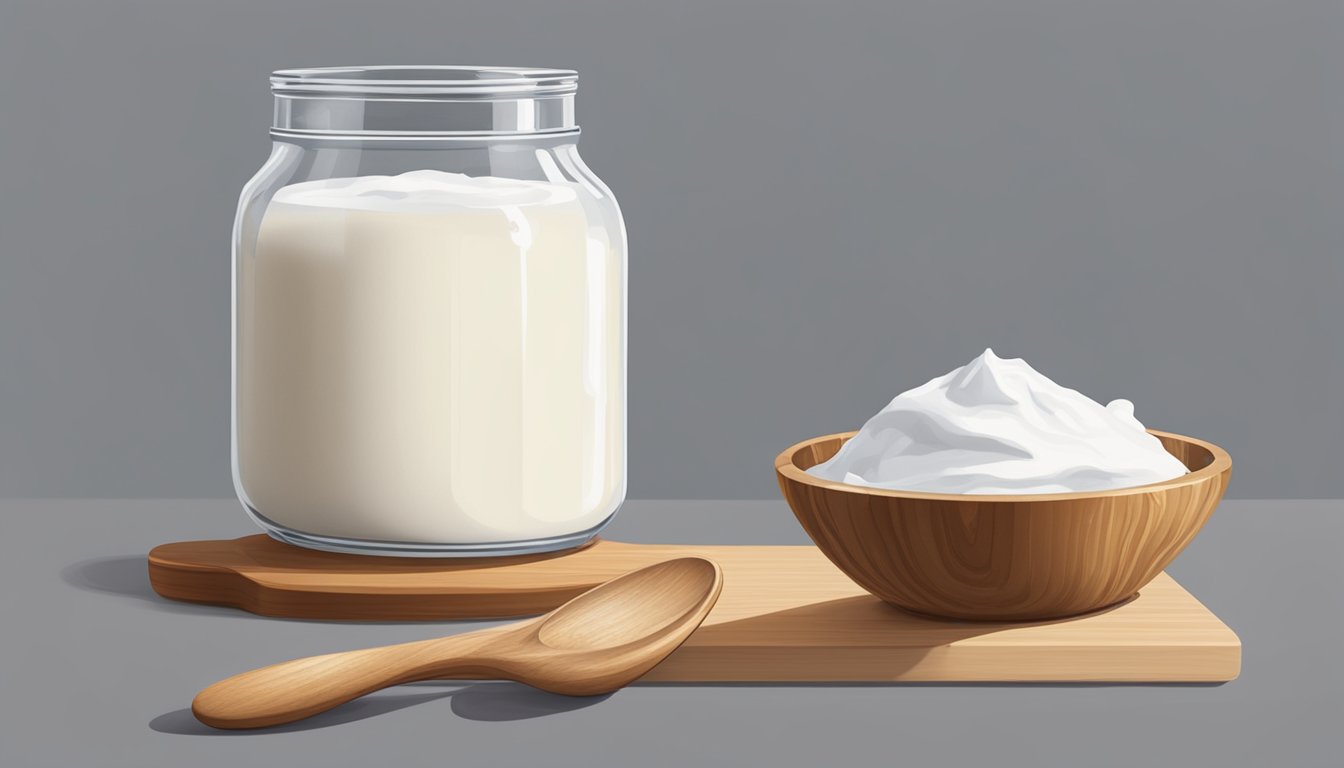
{"x": 429, "y": 317}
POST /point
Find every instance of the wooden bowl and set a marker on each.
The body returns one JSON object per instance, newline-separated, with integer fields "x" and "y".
{"x": 1003, "y": 558}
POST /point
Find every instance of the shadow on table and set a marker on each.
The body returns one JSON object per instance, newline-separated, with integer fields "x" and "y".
{"x": 898, "y": 684}
{"x": 507, "y": 702}
{"x": 487, "y": 702}
{"x": 128, "y": 576}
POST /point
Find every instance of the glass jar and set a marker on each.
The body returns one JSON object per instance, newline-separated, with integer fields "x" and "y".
{"x": 429, "y": 317}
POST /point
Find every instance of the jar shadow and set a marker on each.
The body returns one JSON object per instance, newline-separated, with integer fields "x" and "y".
{"x": 127, "y": 576}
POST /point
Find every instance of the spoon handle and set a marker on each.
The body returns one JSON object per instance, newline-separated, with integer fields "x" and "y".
{"x": 293, "y": 690}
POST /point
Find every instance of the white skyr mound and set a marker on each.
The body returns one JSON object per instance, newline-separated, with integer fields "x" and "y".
{"x": 996, "y": 426}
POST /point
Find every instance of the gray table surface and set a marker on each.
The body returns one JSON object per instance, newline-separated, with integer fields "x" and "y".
{"x": 99, "y": 671}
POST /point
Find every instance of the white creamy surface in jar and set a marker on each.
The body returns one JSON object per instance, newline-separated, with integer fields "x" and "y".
{"x": 996, "y": 426}
{"x": 431, "y": 358}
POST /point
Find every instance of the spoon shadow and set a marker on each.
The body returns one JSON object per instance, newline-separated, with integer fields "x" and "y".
{"x": 484, "y": 702}
{"x": 183, "y": 723}
{"x": 505, "y": 702}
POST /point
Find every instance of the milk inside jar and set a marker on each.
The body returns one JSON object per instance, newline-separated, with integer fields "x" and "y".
{"x": 431, "y": 362}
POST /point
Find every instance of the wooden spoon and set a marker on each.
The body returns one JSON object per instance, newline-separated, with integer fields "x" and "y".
{"x": 600, "y": 641}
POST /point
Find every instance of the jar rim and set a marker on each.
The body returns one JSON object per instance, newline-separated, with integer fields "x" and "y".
{"x": 425, "y": 80}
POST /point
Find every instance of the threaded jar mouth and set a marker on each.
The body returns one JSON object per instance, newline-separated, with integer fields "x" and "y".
{"x": 428, "y": 80}
{"x": 423, "y": 101}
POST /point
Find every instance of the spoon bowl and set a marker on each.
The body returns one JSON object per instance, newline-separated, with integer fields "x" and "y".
{"x": 596, "y": 643}
{"x": 639, "y": 605}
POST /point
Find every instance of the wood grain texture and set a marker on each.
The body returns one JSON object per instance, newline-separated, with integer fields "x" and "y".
{"x": 598, "y": 642}
{"x": 786, "y": 614}
{"x": 1004, "y": 558}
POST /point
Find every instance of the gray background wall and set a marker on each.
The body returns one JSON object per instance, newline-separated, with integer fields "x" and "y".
{"x": 827, "y": 203}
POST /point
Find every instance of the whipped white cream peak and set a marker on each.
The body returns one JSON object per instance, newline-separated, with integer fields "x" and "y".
{"x": 424, "y": 191}
{"x": 996, "y": 426}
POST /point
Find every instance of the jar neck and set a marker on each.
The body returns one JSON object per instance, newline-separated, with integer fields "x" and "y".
{"x": 308, "y": 115}
{"x": 423, "y": 102}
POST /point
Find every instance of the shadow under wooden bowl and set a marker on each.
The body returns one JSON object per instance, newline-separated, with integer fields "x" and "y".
{"x": 1003, "y": 558}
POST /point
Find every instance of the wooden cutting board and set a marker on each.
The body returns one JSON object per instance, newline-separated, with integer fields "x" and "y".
{"x": 785, "y": 615}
